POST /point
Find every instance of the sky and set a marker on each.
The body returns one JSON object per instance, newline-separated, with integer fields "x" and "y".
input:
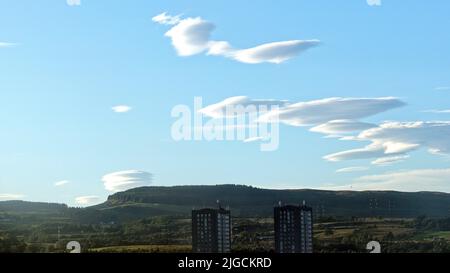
{"x": 88, "y": 91}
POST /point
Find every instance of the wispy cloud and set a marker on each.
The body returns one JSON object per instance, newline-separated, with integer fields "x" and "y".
{"x": 389, "y": 160}
{"x": 10, "y": 196}
{"x": 246, "y": 104}
{"x": 73, "y": 2}
{"x": 165, "y": 19}
{"x": 374, "y": 2}
{"x": 407, "y": 180}
{"x": 254, "y": 139}
{"x": 125, "y": 180}
{"x": 352, "y": 169}
{"x": 338, "y": 127}
{"x": 61, "y": 183}
{"x": 121, "y": 109}
{"x": 442, "y": 88}
{"x": 191, "y": 36}
{"x": 438, "y": 111}
{"x": 6, "y": 44}
{"x": 88, "y": 200}
{"x": 277, "y": 53}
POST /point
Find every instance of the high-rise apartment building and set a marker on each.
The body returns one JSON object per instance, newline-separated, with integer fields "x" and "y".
{"x": 293, "y": 229}
{"x": 211, "y": 231}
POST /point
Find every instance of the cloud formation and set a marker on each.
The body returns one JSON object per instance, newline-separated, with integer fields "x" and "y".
{"x": 192, "y": 36}
{"x": 389, "y": 160}
{"x": 276, "y": 53}
{"x": 393, "y": 139}
{"x": 389, "y": 143}
{"x": 10, "y": 196}
{"x": 121, "y": 108}
{"x": 241, "y": 104}
{"x": 330, "y": 115}
{"x": 374, "y": 2}
{"x": 165, "y": 19}
{"x": 352, "y": 169}
{"x": 333, "y": 109}
{"x": 73, "y": 2}
{"x": 61, "y": 183}
{"x": 438, "y": 111}
{"x": 88, "y": 200}
{"x": 442, "y": 88}
{"x": 406, "y": 181}
{"x": 343, "y": 126}
{"x": 6, "y": 44}
{"x": 125, "y": 180}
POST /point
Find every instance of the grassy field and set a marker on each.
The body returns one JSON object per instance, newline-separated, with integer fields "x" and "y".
{"x": 173, "y": 235}
{"x": 144, "y": 249}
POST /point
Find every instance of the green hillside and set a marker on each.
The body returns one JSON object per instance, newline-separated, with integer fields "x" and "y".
{"x": 250, "y": 201}
{"x": 243, "y": 201}
{"x": 32, "y": 207}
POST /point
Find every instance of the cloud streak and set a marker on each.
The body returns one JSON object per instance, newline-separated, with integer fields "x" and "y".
{"x": 406, "y": 181}
{"x": 121, "y": 109}
{"x": 438, "y": 111}
{"x": 389, "y": 160}
{"x": 343, "y": 111}
{"x": 352, "y": 169}
{"x": 192, "y": 36}
{"x": 73, "y": 3}
{"x": 372, "y": 3}
{"x": 442, "y": 88}
{"x": 10, "y": 196}
{"x": 125, "y": 180}
{"x": 6, "y": 44}
{"x": 241, "y": 105}
{"x": 338, "y": 127}
{"x": 61, "y": 183}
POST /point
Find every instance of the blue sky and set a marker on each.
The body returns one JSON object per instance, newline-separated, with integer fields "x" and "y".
{"x": 63, "y": 68}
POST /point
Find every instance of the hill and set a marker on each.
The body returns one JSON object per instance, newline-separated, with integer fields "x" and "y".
{"x": 250, "y": 201}
{"x": 32, "y": 207}
{"x": 243, "y": 201}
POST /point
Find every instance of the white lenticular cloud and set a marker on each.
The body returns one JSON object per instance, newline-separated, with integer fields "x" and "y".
{"x": 61, "y": 183}
{"x": 276, "y": 53}
{"x": 73, "y": 2}
{"x": 125, "y": 180}
{"x": 192, "y": 36}
{"x": 88, "y": 200}
{"x": 322, "y": 111}
{"x": 330, "y": 116}
{"x": 121, "y": 108}
{"x": 10, "y": 196}
{"x": 393, "y": 139}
